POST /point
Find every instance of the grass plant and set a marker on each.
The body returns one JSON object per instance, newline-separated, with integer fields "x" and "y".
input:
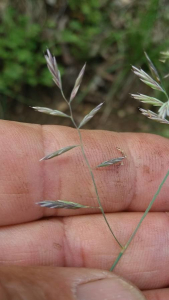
{"x": 154, "y": 82}
{"x": 53, "y": 68}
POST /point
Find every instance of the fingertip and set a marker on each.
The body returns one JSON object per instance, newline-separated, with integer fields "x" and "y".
{"x": 109, "y": 288}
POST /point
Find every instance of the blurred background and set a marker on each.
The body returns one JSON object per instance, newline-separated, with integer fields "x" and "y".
{"x": 110, "y": 35}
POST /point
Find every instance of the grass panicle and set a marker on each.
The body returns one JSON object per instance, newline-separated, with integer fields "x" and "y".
{"x": 53, "y": 68}
{"x": 163, "y": 111}
{"x": 155, "y": 83}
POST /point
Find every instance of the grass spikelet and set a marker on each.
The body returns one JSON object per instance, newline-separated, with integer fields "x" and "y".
{"x": 77, "y": 83}
{"x": 147, "y": 99}
{"x": 90, "y": 115}
{"x": 153, "y": 69}
{"x": 143, "y": 76}
{"x": 53, "y": 68}
{"x": 49, "y": 111}
{"x": 58, "y": 152}
{"x": 62, "y": 204}
{"x": 153, "y": 116}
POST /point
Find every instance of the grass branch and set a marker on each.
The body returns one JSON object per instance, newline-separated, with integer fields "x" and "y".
{"x": 139, "y": 224}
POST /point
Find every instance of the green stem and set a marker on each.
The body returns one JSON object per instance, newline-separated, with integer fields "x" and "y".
{"x": 165, "y": 93}
{"x": 95, "y": 187}
{"x": 64, "y": 97}
{"x": 141, "y": 220}
{"x": 92, "y": 175}
{"x": 164, "y": 90}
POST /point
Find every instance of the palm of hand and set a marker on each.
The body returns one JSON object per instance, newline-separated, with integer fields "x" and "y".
{"x": 32, "y": 236}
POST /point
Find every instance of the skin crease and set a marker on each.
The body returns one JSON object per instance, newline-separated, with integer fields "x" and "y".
{"x": 34, "y": 240}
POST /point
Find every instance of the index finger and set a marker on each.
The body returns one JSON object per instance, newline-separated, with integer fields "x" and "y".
{"x": 24, "y": 180}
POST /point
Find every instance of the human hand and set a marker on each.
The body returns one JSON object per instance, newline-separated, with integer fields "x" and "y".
{"x": 34, "y": 240}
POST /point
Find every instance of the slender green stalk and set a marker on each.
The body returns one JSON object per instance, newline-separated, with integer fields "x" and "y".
{"x": 91, "y": 173}
{"x": 165, "y": 93}
{"x": 95, "y": 187}
{"x": 141, "y": 220}
{"x": 164, "y": 90}
{"x": 65, "y": 99}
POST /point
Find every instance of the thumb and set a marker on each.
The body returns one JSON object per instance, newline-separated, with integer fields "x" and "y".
{"x": 52, "y": 283}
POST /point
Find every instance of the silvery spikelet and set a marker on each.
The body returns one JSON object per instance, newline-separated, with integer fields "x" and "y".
{"x": 164, "y": 107}
{"x": 62, "y": 204}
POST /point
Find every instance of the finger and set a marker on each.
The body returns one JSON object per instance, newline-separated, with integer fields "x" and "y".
{"x": 84, "y": 241}
{"x": 160, "y": 294}
{"x": 51, "y": 283}
{"x": 24, "y": 180}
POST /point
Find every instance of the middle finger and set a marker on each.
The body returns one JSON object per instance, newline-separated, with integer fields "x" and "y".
{"x": 84, "y": 241}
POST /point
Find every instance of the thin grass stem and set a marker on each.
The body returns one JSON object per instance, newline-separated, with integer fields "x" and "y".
{"x": 90, "y": 170}
{"x": 62, "y": 93}
{"x": 95, "y": 187}
{"x": 165, "y": 93}
{"x": 141, "y": 220}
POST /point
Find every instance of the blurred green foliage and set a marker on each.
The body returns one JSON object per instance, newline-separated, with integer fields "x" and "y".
{"x": 21, "y": 59}
{"x": 116, "y": 34}
{"x": 95, "y": 29}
